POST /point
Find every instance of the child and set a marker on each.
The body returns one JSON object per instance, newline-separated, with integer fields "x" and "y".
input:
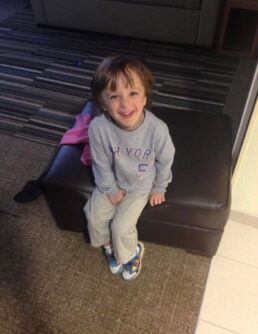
{"x": 132, "y": 154}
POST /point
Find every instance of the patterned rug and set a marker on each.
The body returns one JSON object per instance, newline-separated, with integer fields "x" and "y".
{"x": 45, "y": 75}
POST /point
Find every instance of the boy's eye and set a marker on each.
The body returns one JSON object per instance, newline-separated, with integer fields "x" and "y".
{"x": 113, "y": 97}
{"x": 133, "y": 93}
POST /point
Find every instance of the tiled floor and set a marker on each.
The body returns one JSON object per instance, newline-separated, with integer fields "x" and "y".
{"x": 230, "y": 303}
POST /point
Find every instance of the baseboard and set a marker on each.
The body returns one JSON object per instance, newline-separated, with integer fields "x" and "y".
{"x": 244, "y": 218}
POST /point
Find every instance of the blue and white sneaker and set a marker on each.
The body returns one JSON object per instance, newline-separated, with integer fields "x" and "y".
{"x": 114, "y": 266}
{"x": 133, "y": 267}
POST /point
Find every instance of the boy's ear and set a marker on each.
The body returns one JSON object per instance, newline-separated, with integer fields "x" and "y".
{"x": 146, "y": 101}
{"x": 101, "y": 104}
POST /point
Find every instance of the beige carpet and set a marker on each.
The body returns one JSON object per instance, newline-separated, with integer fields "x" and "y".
{"x": 52, "y": 282}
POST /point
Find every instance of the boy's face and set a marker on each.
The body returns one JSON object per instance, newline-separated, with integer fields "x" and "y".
{"x": 126, "y": 104}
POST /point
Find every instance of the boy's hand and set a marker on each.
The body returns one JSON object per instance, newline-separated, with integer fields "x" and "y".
{"x": 118, "y": 197}
{"x": 156, "y": 198}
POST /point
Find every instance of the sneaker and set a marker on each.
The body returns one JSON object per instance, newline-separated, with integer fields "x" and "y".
{"x": 114, "y": 266}
{"x": 133, "y": 267}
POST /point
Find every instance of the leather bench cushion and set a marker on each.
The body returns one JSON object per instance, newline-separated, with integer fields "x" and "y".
{"x": 199, "y": 194}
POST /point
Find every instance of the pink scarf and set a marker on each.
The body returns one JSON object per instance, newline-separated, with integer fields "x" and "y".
{"x": 79, "y": 135}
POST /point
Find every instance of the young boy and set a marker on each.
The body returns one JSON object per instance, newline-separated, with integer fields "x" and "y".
{"x": 132, "y": 154}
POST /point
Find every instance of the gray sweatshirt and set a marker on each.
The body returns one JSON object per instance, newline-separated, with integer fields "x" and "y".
{"x": 136, "y": 161}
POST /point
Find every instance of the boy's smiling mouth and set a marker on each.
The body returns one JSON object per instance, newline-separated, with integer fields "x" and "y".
{"x": 126, "y": 114}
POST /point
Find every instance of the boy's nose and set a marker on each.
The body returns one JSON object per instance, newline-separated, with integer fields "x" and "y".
{"x": 124, "y": 102}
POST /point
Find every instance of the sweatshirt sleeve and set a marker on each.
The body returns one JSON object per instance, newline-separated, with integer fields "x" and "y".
{"x": 165, "y": 151}
{"x": 101, "y": 164}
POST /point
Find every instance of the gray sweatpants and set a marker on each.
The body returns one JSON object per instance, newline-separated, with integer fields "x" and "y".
{"x": 117, "y": 224}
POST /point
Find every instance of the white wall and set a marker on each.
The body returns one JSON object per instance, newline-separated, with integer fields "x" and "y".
{"x": 245, "y": 178}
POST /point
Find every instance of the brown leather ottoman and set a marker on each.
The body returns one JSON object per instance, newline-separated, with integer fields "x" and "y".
{"x": 197, "y": 201}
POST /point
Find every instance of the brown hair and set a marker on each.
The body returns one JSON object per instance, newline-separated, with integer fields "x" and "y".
{"x": 111, "y": 68}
